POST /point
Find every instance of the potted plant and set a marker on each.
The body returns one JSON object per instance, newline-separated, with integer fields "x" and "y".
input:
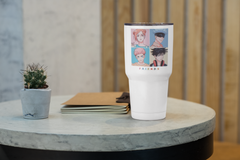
{"x": 35, "y": 96}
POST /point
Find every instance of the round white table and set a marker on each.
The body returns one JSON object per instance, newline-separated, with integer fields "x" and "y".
{"x": 186, "y": 125}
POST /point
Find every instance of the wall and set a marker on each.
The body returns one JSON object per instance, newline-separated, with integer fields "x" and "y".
{"x": 65, "y": 36}
{"x": 206, "y": 52}
{"x": 60, "y": 34}
{"x": 11, "y": 49}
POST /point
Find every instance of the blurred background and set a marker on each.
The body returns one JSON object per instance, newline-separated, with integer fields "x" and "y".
{"x": 82, "y": 44}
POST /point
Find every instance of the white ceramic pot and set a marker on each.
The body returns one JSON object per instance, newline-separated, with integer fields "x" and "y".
{"x": 35, "y": 103}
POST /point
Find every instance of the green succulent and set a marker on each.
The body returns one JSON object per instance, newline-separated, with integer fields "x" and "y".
{"x": 35, "y": 77}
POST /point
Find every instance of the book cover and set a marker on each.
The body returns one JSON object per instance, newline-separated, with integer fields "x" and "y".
{"x": 95, "y": 102}
{"x": 101, "y": 98}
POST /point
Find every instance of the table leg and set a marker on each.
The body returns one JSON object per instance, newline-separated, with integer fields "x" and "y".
{"x": 2, "y": 154}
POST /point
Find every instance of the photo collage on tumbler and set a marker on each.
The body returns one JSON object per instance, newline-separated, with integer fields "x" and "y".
{"x": 149, "y": 48}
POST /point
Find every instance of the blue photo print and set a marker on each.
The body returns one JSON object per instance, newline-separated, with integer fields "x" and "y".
{"x": 140, "y": 56}
{"x": 159, "y": 38}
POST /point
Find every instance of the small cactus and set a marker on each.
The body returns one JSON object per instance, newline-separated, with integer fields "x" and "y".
{"x": 34, "y": 77}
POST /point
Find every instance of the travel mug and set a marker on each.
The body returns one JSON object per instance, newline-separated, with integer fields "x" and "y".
{"x": 148, "y": 66}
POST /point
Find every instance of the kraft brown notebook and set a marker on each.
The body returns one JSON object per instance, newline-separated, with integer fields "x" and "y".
{"x": 102, "y": 98}
{"x": 104, "y": 102}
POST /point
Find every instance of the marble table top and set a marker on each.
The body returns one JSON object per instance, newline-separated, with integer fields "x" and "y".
{"x": 185, "y": 122}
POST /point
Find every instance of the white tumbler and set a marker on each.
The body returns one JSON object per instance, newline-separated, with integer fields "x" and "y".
{"x": 148, "y": 66}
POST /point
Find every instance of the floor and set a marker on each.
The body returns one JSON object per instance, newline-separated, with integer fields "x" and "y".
{"x": 225, "y": 151}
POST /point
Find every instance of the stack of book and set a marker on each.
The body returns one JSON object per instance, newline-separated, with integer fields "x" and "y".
{"x": 104, "y": 102}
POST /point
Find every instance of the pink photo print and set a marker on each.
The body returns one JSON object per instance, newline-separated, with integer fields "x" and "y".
{"x": 140, "y": 38}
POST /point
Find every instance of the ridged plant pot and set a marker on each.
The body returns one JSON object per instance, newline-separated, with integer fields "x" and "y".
{"x": 35, "y": 103}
